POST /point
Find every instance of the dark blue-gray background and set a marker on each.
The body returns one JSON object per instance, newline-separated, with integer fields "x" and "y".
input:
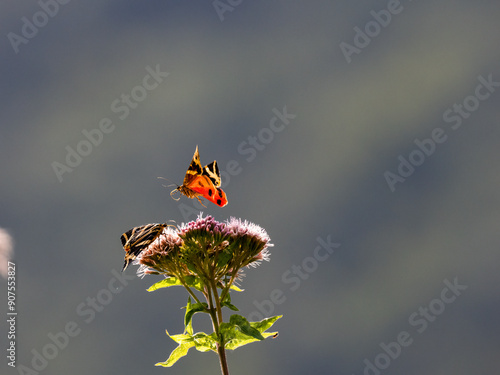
{"x": 320, "y": 175}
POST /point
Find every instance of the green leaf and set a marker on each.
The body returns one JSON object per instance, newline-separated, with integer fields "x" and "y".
{"x": 188, "y": 328}
{"x": 194, "y": 282}
{"x": 185, "y": 343}
{"x": 239, "y": 339}
{"x": 176, "y": 354}
{"x": 165, "y": 283}
{"x": 193, "y": 309}
{"x": 234, "y": 287}
{"x": 245, "y": 327}
{"x": 191, "y": 281}
{"x": 234, "y": 337}
{"x": 265, "y": 324}
{"x": 200, "y": 340}
{"x": 179, "y": 339}
{"x": 230, "y": 306}
{"x": 204, "y": 342}
{"x": 227, "y": 303}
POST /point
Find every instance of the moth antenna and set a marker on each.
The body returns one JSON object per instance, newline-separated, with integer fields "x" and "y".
{"x": 163, "y": 178}
{"x": 166, "y": 226}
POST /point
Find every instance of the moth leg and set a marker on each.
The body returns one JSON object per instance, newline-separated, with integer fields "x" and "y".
{"x": 172, "y": 195}
{"x": 199, "y": 200}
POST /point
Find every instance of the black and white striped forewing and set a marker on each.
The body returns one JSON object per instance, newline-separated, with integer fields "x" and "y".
{"x": 137, "y": 239}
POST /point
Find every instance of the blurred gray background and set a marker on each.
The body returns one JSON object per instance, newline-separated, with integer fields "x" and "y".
{"x": 364, "y": 81}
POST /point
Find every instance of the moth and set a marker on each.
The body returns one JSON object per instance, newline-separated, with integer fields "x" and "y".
{"x": 203, "y": 182}
{"x": 137, "y": 239}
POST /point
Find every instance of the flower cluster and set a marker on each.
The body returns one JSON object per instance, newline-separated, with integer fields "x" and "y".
{"x": 253, "y": 241}
{"x": 206, "y": 249}
{"x": 158, "y": 256}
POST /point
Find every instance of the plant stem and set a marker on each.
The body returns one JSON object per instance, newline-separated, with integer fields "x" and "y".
{"x": 216, "y": 321}
{"x": 222, "y": 359}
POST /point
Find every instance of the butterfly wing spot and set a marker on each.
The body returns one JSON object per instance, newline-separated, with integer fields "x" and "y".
{"x": 202, "y": 182}
{"x": 222, "y": 199}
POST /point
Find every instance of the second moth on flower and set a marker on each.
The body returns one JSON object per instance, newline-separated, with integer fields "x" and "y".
{"x": 137, "y": 239}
